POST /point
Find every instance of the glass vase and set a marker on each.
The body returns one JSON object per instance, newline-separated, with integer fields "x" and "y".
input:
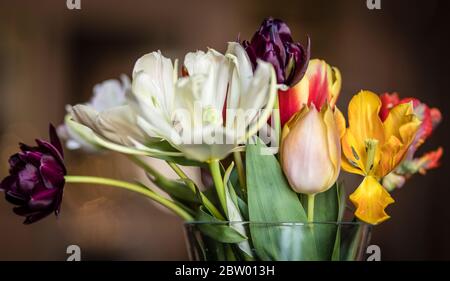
{"x": 278, "y": 241}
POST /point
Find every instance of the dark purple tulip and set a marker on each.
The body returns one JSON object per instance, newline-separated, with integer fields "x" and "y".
{"x": 36, "y": 179}
{"x": 273, "y": 43}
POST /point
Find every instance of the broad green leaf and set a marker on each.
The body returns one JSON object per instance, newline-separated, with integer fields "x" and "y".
{"x": 326, "y": 211}
{"x": 271, "y": 200}
{"x": 217, "y": 229}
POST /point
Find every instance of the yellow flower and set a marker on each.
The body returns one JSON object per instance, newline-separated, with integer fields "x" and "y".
{"x": 373, "y": 149}
{"x": 310, "y": 150}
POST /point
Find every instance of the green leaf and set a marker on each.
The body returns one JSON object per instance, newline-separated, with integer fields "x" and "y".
{"x": 233, "y": 212}
{"x": 336, "y": 256}
{"x": 244, "y": 208}
{"x": 271, "y": 200}
{"x": 217, "y": 229}
{"x": 177, "y": 190}
{"x": 342, "y": 195}
{"x": 237, "y": 194}
{"x": 234, "y": 179}
{"x": 326, "y": 210}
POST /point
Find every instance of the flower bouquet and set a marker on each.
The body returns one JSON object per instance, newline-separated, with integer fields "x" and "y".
{"x": 262, "y": 125}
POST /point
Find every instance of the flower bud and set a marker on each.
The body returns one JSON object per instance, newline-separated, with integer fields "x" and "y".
{"x": 36, "y": 179}
{"x": 273, "y": 43}
{"x": 311, "y": 151}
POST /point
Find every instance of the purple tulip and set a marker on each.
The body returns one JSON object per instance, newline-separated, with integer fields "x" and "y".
{"x": 273, "y": 43}
{"x": 36, "y": 179}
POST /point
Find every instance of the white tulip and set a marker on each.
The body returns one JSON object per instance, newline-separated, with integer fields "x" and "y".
{"x": 105, "y": 113}
{"x": 188, "y": 111}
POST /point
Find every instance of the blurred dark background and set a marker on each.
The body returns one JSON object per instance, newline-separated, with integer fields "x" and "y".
{"x": 51, "y": 56}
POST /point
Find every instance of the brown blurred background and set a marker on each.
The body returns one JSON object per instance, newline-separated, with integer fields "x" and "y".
{"x": 51, "y": 56}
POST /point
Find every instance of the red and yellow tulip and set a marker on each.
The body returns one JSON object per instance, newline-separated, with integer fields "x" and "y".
{"x": 321, "y": 84}
{"x": 430, "y": 118}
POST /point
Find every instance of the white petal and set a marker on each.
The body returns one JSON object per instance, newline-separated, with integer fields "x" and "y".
{"x": 197, "y": 63}
{"x": 243, "y": 63}
{"x": 158, "y": 82}
{"x": 108, "y": 94}
{"x": 209, "y": 149}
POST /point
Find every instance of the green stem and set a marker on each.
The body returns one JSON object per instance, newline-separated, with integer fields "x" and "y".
{"x": 132, "y": 187}
{"x": 210, "y": 206}
{"x": 214, "y": 166}
{"x": 311, "y": 198}
{"x": 240, "y": 170}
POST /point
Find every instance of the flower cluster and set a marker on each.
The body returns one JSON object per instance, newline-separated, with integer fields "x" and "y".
{"x": 211, "y": 113}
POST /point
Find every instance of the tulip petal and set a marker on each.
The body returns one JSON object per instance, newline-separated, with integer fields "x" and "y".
{"x": 301, "y": 56}
{"x": 393, "y": 151}
{"x": 335, "y": 80}
{"x": 292, "y": 101}
{"x": 318, "y": 83}
{"x": 349, "y": 167}
{"x": 44, "y": 199}
{"x": 363, "y": 118}
{"x": 400, "y": 126}
{"x": 371, "y": 199}
{"x": 429, "y": 161}
{"x": 54, "y": 140}
{"x": 388, "y": 101}
{"x": 28, "y": 177}
{"x": 156, "y": 79}
{"x": 340, "y": 122}
{"x": 398, "y": 116}
{"x": 51, "y": 172}
{"x": 354, "y": 153}
{"x": 114, "y": 124}
{"x": 311, "y": 152}
{"x": 333, "y": 140}
{"x": 266, "y": 75}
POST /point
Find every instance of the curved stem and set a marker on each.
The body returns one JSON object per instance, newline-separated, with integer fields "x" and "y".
{"x": 210, "y": 206}
{"x": 132, "y": 187}
{"x": 311, "y": 198}
{"x": 214, "y": 166}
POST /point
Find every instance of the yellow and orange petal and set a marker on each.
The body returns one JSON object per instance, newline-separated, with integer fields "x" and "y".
{"x": 430, "y": 160}
{"x": 363, "y": 119}
{"x": 400, "y": 127}
{"x": 371, "y": 200}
